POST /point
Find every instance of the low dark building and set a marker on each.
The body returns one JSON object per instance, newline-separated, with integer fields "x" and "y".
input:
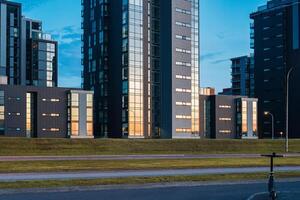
{"x": 228, "y": 117}
{"x": 41, "y": 112}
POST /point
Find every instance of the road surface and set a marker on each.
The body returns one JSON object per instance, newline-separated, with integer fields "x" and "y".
{"x": 185, "y": 191}
{"x": 9, "y": 177}
{"x": 132, "y": 157}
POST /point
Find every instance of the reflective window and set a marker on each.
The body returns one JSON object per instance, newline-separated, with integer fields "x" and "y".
{"x": 244, "y": 117}
{"x": 2, "y": 116}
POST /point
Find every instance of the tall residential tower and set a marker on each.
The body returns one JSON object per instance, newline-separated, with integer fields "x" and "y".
{"x": 27, "y": 55}
{"x": 276, "y": 43}
{"x": 141, "y": 57}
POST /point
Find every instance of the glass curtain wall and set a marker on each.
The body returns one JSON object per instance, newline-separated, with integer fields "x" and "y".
{"x": 2, "y": 116}
{"x": 133, "y": 68}
{"x": 195, "y": 67}
{"x": 89, "y": 115}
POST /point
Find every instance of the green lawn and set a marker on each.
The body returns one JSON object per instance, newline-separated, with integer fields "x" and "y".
{"x": 142, "y": 180}
{"x": 23, "y": 147}
{"x": 109, "y": 165}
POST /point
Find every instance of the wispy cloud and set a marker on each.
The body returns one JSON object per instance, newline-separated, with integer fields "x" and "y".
{"x": 67, "y": 34}
{"x": 69, "y": 42}
{"x": 220, "y": 61}
{"x": 210, "y": 55}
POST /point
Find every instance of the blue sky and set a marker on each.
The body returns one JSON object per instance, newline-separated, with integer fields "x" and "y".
{"x": 224, "y": 34}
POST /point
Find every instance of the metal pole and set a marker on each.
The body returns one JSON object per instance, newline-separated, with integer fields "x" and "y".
{"x": 273, "y": 132}
{"x": 287, "y": 111}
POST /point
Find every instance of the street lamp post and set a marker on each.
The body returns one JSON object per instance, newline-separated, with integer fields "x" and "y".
{"x": 287, "y": 110}
{"x": 272, "y": 116}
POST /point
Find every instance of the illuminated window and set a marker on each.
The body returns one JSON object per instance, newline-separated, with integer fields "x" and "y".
{"x": 254, "y": 104}
{"x": 244, "y": 116}
{"x": 183, "y": 77}
{"x": 183, "y": 130}
{"x": 225, "y": 106}
{"x": 2, "y": 116}
{"x": 50, "y": 115}
{"x": 183, "y": 103}
{"x": 182, "y": 90}
{"x": 225, "y": 131}
{"x": 183, "y": 117}
{"x": 224, "y": 119}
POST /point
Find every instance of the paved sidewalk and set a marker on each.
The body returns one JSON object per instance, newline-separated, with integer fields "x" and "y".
{"x": 132, "y": 157}
{"x": 9, "y": 177}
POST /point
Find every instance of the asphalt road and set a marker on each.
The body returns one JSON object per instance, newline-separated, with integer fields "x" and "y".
{"x": 225, "y": 191}
{"x": 132, "y": 157}
{"x": 9, "y": 177}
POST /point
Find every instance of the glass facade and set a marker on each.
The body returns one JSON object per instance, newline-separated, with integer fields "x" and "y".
{"x": 2, "y": 113}
{"x": 254, "y": 117}
{"x": 10, "y": 63}
{"x": 73, "y": 114}
{"x": 80, "y": 114}
{"x": 95, "y": 15}
{"x": 195, "y": 67}
{"x": 244, "y": 117}
{"x": 132, "y": 63}
{"x": 89, "y": 115}
{"x": 44, "y": 63}
{"x": 30, "y": 115}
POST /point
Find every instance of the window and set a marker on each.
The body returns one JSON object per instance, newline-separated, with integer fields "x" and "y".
{"x": 51, "y": 100}
{"x": 183, "y": 24}
{"x": 183, "y": 11}
{"x": 183, "y": 130}
{"x": 183, "y": 103}
{"x": 50, "y": 115}
{"x": 254, "y": 116}
{"x": 182, "y": 90}
{"x": 2, "y": 116}
{"x": 74, "y": 112}
{"x": 185, "y": 64}
{"x": 51, "y": 129}
{"x": 183, "y": 117}
{"x": 183, "y": 51}
{"x": 224, "y": 106}
{"x": 224, "y": 119}
{"x": 183, "y": 37}
{"x": 225, "y": 131}
{"x": 244, "y": 116}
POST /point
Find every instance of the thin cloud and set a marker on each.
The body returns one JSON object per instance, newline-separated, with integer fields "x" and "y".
{"x": 210, "y": 56}
{"x": 220, "y": 61}
{"x": 67, "y": 34}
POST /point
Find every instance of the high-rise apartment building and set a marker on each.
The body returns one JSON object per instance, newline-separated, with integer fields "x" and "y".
{"x": 27, "y": 55}
{"x": 242, "y": 72}
{"x": 10, "y": 42}
{"x": 39, "y": 55}
{"x": 141, "y": 59}
{"x": 276, "y": 43}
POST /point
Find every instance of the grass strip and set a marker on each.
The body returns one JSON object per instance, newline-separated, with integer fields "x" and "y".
{"x": 142, "y": 180}
{"x": 111, "y": 165}
{"x": 52, "y": 147}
